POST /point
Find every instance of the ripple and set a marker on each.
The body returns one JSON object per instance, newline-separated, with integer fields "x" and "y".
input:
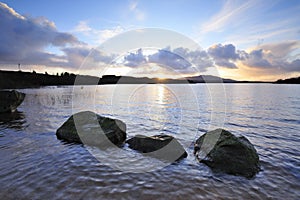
{"x": 35, "y": 165}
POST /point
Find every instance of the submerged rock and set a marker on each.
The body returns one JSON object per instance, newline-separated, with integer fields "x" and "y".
{"x": 230, "y": 154}
{"x": 163, "y": 147}
{"x": 92, "y": 129}
{"x": 10, "y": 100}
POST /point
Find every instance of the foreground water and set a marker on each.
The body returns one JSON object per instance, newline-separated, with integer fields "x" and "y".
{"x": 35, "y": 165}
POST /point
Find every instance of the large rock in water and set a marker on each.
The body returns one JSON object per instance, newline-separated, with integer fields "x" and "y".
{"x": 92, "y": 129}
{"x": 230, "y": 154}
{"x": 10, "y": 100}
{"x": 163, "y": 147}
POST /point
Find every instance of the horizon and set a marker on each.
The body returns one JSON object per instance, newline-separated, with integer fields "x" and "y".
{"x": 140, "y": 77}
{"x": 239, "y": 40}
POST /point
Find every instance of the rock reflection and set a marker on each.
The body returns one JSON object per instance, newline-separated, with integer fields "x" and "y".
{"x": 15, "y": 120}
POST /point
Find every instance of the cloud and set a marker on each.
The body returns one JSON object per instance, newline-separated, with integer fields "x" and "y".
{"x": 226, "y": 51}
{"x": 231, "y": 11}
{"x": 198, "y": 58}
{"x": 257, "y": 34}
{"x": 109, "y": 33}
{"x": 135, "y": 59}
{"x": 82, "y": 27}
{"x": 136, "y": 11}
{"x": 94, "y": 35}
{"x": 272, "y": 56}
{"x": 256, "y": 59}
{"x": 249, "y": 23}
{"x": 225, "y": 55}
{"x": 179, "y": 60}
{"x": 24, "y": 39}
{"x": 168, "y": 58}
{"x": 275, "y": 56}
{"x": 293, "y": 66}
{"x": 281, "y": 49}
{"x": 5, "y": 8}
{"x": 75, "y": 55}
{"x": 87, "y": 58}
{"x": 133, "y": 5}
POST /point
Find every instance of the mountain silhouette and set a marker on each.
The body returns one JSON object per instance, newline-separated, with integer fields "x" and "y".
{"x": 19, "y": 79}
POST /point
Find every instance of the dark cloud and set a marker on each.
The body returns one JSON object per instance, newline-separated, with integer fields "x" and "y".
{"x": 198, "y": 58}
{"x": 256, "y": 59}
{"x": 170, "y": 59}
{"x": 274, "y": 57}
{"x": 135, "y": 59}
{"x": 226, "y": 51}
{"x": 293, "y": 66}
{"x": 181, "y": 60}
{"x": 268, "y": 56}
{"x": 225, "y": 55}
{"x": 226, "y": 64}
{"x": 75, "y": 55}
{"x": 86, "y": 58}
{"x": 23, "y": 39}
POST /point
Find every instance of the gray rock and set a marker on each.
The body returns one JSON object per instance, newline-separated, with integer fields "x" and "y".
{"x": 92, "y": 129}
{"x": 163, "y": 147}
{"x": 10, "y": 100}
{"x": 230, "y": 154}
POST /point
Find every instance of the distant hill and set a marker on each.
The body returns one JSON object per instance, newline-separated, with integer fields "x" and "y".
{"x": 295, "y": 80}
{"x": 209, "y": 79}
{"x": 216, "y": 79}
{"x": 111, "y": 79}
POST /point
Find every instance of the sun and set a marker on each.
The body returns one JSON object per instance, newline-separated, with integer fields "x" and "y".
{"x": 161, "y": 78}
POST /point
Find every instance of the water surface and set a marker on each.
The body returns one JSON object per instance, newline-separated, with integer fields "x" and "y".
{"x": 35, "y": 165}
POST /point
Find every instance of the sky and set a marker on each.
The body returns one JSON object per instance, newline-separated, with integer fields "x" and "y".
{"x": 242, "y": 40}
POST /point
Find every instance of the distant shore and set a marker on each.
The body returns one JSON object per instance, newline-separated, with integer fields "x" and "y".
{"x": 19, "y": 80}
{"x": 288, "y": 81}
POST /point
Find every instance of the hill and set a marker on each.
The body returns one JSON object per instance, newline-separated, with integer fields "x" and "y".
{"x": 19, "y": 79}
{"x": 295, "y": 80}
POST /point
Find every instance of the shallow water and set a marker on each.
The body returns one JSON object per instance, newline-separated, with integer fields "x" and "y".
{"x": 35, "y": 165}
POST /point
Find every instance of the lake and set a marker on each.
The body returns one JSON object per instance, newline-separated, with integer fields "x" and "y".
{"x": 36, "y": 165}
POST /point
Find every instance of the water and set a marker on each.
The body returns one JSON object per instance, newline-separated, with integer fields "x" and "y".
{"x": 35, "y": 165}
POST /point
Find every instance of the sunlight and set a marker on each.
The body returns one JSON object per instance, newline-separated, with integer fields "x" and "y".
{"x": 161, "y": 78}
{"x": 160, "y": 94}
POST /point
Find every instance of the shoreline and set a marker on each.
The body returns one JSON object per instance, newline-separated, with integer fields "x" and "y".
{"x": 24, "y": 80}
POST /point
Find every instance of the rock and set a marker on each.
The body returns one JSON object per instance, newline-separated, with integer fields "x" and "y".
{"x": 163, "y": 147}
{"x": 92, "y": 129}
{"x": 230, "y": 154}
{"x": 10, "y": 100}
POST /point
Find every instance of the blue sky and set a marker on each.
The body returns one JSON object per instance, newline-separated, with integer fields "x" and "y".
{"x": 244, "y": 40}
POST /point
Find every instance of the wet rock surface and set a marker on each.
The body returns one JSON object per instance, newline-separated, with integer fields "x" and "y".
{"x": 230, "y": 154}
{"x": 163, "y": 147}
{"x": 92, "y": 129}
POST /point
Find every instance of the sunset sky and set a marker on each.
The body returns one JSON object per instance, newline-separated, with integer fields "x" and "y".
{"x": 243, "y": 40}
